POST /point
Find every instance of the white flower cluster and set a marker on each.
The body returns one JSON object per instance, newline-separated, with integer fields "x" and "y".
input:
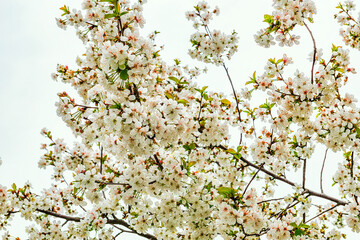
{"x": 210, "y": 47}
{"x": 202, "y": 14}
{"x": 287, "y": 15}
{"x": 213, "y": 49}
{"x": 152, "y": 153}
{"x": 351, "y": 33}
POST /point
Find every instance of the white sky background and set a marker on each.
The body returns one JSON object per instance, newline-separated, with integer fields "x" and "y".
{"x": 31, "y": 45}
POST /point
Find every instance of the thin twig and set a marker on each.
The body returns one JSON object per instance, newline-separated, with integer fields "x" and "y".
{"x": 270, "y": 200}
{"x": 304, "y": 175}
{"x": 310, "y": 192}
{"x": 200, "y": 106}
{"x": 352, "y": 165}
{"x": 83, "y": 106}
{"x": 321, "y": 173}
{"x": 229, "y": 77}
{"x": 109, "y": 221}
{"x": 322, "y": 213}
{"x": 158, "y": 162}
{"x": 112, "y": 183}
{"x": 314, "y": 55}
{"x": 253, "y": 178}
{"x": 236, "y": 99}
{"x": 101, "y": 159}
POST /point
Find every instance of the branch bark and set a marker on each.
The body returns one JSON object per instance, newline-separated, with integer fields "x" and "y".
{"x": 321, "y": 173}
{"x": 310, "y": 192}
{"x": 314, "y": 55}
{"x": 109, "y": 221}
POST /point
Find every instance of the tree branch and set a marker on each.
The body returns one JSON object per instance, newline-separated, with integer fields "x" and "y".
{"x": 109, "y": 221}
{"x": 101, "y": 159}
{"x": 304, "y": 175}
{"x": 321, "y": 173}
{"x": 322, "y": 213}
{"x": 314, "y": 55}
{"x": 158, "y": 162}
{"x": 253, "y": 178}
{"x": 312, "y": 193}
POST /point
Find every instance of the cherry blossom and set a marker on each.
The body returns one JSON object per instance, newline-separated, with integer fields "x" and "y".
{"x": 154, "y": 155}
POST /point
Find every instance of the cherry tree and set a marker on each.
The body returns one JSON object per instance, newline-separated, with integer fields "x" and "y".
{"x": 162, "y": 157}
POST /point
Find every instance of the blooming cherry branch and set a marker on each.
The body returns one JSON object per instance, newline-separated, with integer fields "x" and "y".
{"x": 153, "y": 155}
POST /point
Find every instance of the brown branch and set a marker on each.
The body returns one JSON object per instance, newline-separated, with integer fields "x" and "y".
{"x": 101, "y": 159}
{"x": 290, "y": 205}
{"x": 322, "y": 213}
{"x": 321, "y": 173}
{"x": 228, "y": 76}
{"x": 304, "y": 175}
{"x": 352, "y": 165}
{"x": 314, "y": 55}
{"x": 310, "y": 192}
{"x": 83, "y": 106}
{"x": 109, "y": 221}
{"x": 112, "y": 183}
{"x": 200, "y": 107}
{"x": 236, "y": 99}
{"x": 158, "y": 162}
{"x": 253, "y": 178}
{"x": 270, "y": 200}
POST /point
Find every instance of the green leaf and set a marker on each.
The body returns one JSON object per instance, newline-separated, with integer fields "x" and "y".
{"x": 347, "y": 154}
{"x": 293, "y": 224}
{"x": 272, "y": 60}
{"x": 189, "y": 147}
{"x": 183, "y": 101}
{"x": 123, "y": 13}
{"x": 299, "y": 232}
{"x": 268, "y": 18}
{"x": 109, "y": 1}
{"x": 231, "y": 151}
{"x": 226, "y": 192}
{"x": 124, "y": 74}
{"x": 208, "y": 186}
{"x": 116, "y": 106}
{"x": 190, "y": 164}
{"x": 357, "y": 131}
{"x": 334, "y": 48}
{"x": 169, "y": 95}
{"x": 225, "y": 101}
{"x": 302, "y": 225}
{"x": 252, "y": 79}
{"x": 65, "y": 9}
{"x": 107, "y": 16}
{"x": 174, "y": 79}
{"x": 182, "y": 83}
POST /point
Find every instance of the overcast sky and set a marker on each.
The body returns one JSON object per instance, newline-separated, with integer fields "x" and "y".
{"x": 31, "y": 45}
